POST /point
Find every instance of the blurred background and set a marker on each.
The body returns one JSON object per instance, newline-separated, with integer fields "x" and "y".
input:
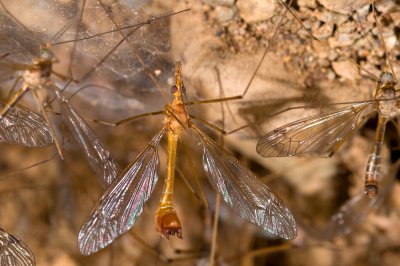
{"x": 46, "y": 204}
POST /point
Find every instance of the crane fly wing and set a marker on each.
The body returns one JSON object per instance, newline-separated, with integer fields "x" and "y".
{"x": 14, "y": 252}
{"x": 100, "y": 159}
{"x": 350, "y": 214}
{"x": 123, "y": 202}
{"x": 7, "y": 70}
{"x": 320, "y": 134}
{"x": 18, "y": 43}
{"x": 354, "y": 211}
{"x": 24, "y": 127}
{"x": 244, "y": 192}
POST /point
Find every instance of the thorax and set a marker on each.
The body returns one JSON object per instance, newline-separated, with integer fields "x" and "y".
{"x": 387, "y": 103}
{"x": 176, "y": 116}
{"x": 38, "y": 73}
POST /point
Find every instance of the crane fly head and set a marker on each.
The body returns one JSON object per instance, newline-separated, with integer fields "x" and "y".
{"x": 45, "y": 52}
{"x": 178, "y": 90}
{"x": 386, "y": 80}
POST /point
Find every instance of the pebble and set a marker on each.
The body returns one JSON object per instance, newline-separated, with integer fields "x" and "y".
{"x": 224, "y": 13}
{"x": 342, "y": 39}
{"x": 321, "y": 50}
{"x": 390, "y": 41}
{"x": 386, "y": 6}
{"x": 330, "y": 75}
{"x": 348, "y": 27}
{"x": 345, "y": 69}
{"x": 307, "y": 3}
{"x": 256, "y": 10}
{"x": 329, "y": 16}
{"x": 219, "y": 2}
{"x": 396, "y": 18}
{"x": 362, "y": 13}
{"x": 363, "y": 53}
{"x": 344, "y": 6}
{"x": 324, "y": 31}
{"x": 324, "y": 62}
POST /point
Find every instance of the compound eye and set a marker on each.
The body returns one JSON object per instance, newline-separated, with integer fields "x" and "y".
{"x": 386, "y": 77}
{"x": 46, "y": 54}
{"x": 174, "y": 89}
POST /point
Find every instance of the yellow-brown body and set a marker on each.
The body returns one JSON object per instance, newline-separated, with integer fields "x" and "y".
{"x": 176, "y": 120}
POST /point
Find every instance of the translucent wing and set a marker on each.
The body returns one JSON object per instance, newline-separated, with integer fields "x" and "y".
{"x": 320, "y": 134}
{"x": 244, "y": 192}
{"x": 7, "y": 70}
{"x": 350, "y": 214}
{"x": 99, "y": 158}
{"x": 23, "y": 127}
{"x": 122, "y": 203}
{"x": 14, "y": 252}
{"x": 354, "y": 211}
{"x": 16, "y": 38}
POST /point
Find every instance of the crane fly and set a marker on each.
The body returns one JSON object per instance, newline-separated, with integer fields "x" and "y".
{"x": 323, "y": 134}
{"x": 14, "y": 252}
{"x": 36, "y": 77}
{"x": 124, "y": 200}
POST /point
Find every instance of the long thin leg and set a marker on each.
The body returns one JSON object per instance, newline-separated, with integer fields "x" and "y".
{"x": 272, "y": 115}
{"x": 46, "y": 117}
{"x": 188, "y": 185}
{"x": 147, "y": 22}
{"x": 11, "y": 101}
{"x": 18, "y": 172}
{"x": 86, "y": 87}
{"x": 238, "y": 97}
{"x": 195, "y": 174}
{"x": 117, "y": 123}
{"x": 214, "y": 239}
{"x": 250, "y": 256}
{"x": 78, "y": 90}
{"x": 63, "y": 77}
{"x": 127, "y": 120}
{"x": 388, "y": 61}
{"x": 73, "y": 52}
{"x": 217, "y": 196}
{"x": 222, "y": 94}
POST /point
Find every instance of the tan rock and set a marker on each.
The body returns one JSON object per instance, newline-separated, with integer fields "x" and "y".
{"x": 345, "y": 69}
{"x": 344, "y": 6}
{"x": 256, "y": 10}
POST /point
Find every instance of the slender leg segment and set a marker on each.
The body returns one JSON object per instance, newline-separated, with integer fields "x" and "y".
{"x": 14, "y": 98}
{"x": 39, "y": 100}
{"x": 373, "y": 172}
{"x": 167, "y": 221}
